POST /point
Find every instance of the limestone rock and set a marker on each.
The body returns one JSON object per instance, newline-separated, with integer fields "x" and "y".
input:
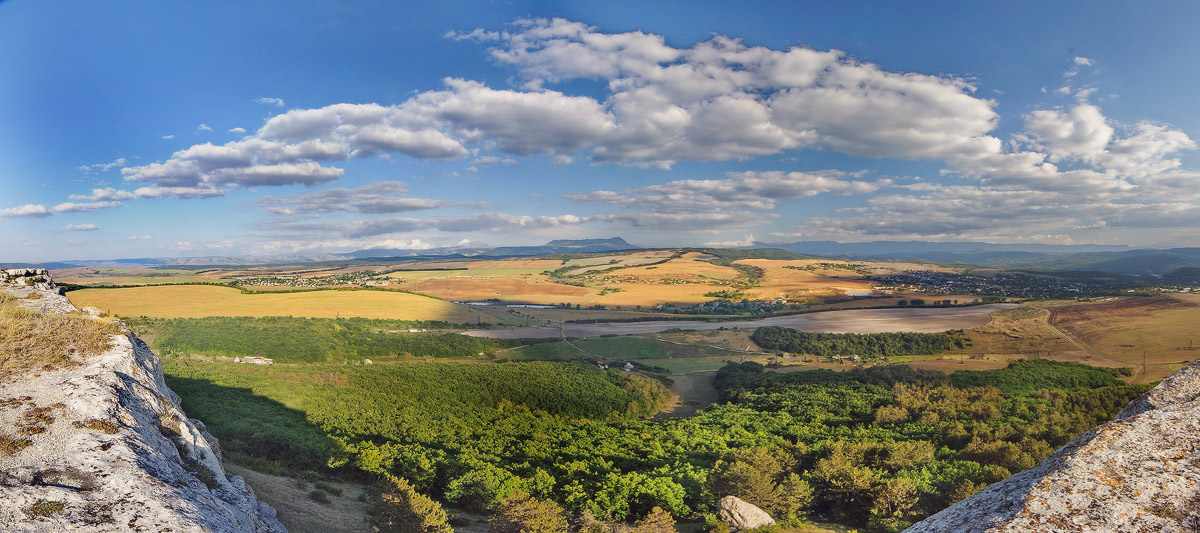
{"x": 1140, "y": 472}
{"x": 113, "y": 451}
{"x": 740, "y": 515}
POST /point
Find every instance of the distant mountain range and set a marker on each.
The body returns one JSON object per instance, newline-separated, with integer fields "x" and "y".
{"x": 1081, "y": 257}
{"x": 557, "y": 246}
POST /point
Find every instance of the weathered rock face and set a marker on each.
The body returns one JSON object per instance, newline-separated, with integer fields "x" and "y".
{"x": 1140, "y": 472}
{"x": 114, "y": 452}
{"x": 740, "y": 515}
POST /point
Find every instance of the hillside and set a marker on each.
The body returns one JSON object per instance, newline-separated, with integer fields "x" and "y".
{"x": 101, "y": 443}
{"x": 1139, "y": 472}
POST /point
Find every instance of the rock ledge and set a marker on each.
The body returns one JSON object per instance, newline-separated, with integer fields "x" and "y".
{"x": 113, "y": 450}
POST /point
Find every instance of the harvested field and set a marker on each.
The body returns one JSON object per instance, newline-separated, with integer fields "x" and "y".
{"x": 1162, "y": 329}
{"x": 788, "y": 279}
{"x": 189, "y": 301}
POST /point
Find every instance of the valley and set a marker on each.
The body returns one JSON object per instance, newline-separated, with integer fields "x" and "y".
{"x": 500, "y": 384}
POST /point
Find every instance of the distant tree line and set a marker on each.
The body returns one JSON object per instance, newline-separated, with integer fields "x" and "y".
{"x": 861, "y": 344}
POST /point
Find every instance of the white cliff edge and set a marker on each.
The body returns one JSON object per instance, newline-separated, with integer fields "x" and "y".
{"x": 120, "y": 454}
{"x": 1140, "y": 472}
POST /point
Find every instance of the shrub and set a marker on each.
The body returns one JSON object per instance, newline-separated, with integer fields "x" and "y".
{"x": 45, "y": 508}
{"x": 522, "y": 513}
{"x": 318, "y": 496}
{"x": 401, "y": 508}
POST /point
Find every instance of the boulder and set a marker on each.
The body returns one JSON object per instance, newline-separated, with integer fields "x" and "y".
{"x": 741, "y": 516}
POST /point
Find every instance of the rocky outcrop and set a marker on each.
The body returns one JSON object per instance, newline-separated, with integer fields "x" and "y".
{"x": 1140, "y": 472}
{"x": 104, "y": 446}
{"x": 740, "y": 515}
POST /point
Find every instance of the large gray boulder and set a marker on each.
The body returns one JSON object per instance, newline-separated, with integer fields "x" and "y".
{"x": 741, "y": 516}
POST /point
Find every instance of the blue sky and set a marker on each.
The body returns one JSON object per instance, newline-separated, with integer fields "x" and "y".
{"x": 144, "y": 129}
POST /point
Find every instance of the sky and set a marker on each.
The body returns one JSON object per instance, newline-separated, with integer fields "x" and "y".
{"x": 165, "y": 129}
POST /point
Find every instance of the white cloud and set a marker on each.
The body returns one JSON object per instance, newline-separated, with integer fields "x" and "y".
{"x": 105, "y": 194}
{"x": 189, "y": 246}
{"x": 741, "y": 190}
{"x": 717, "y": 100}
{"x": 169, "y": 137}
{"x": 238, "y": 131}
{"x": 139, "y": 237}
{"x": 748, "y": 240}
{"x": 178, "y": 192}
{"x": 25, "y": 211}
{"x": 103, "y": 167}
{"x": 81, "y": 227}
{"x": 376, "y": 198}
{"x": 1083, "y": 61}
{"x": 1080, "y": 133}
{"x": 277, "y": 102}
{"x": 74, "y": 207}
{"x": 203, "y": 127}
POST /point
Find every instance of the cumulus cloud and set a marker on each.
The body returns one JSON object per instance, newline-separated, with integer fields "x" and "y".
{"x": 25, "y": 211}
{"x": 277, "y": 102}
{"x": 741, "y": 190}
{"x": 178, "y": 192}
{"x": 81, "y": 227}
{"x": 238, "y": 131}
{"x": 103, "y": 167}
{"x": 376, "y": 198}
{"x": 105, "y": 194}
{"x": 982, "y": 213}
{"x": 75, "y": 207}
{"x": 203, "y": 127}
{"x": 717, "y": 100}
{"x": 746, "y": 241}
{"x": 1083, "y": 61}
{"x": 483, "y": 222}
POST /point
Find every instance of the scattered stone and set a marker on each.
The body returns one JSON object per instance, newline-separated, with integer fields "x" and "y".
{"x": 740, "y": 515}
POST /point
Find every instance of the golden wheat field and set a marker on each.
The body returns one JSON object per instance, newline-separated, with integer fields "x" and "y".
{"x": 190, "y": 301}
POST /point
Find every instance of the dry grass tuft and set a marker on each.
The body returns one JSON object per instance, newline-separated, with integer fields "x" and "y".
{"x": 45, "y": 508}
{"x": 9, "y": 446}
{"x": 107, "y": 426}
{"x": 30, "y": 340}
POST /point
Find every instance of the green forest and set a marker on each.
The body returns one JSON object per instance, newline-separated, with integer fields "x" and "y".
{"x": 307, "y": 340}
{"x": 875, "y": 448}
{"x": 866, "y": 345}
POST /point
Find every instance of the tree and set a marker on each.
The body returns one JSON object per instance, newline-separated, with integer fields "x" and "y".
{"x": 658, "y": 521}
{"x": 748, "y": 474}
{"x": 522, "y": 513}
{"x": 402, "y": 509}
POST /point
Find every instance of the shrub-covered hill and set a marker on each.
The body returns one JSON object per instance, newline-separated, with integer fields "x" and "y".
{"x": 307, "y": 340}
{"x": 876, "y": 448}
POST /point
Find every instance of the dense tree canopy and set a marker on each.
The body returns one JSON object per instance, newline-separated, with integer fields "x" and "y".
{"x": 879, "y": 447}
